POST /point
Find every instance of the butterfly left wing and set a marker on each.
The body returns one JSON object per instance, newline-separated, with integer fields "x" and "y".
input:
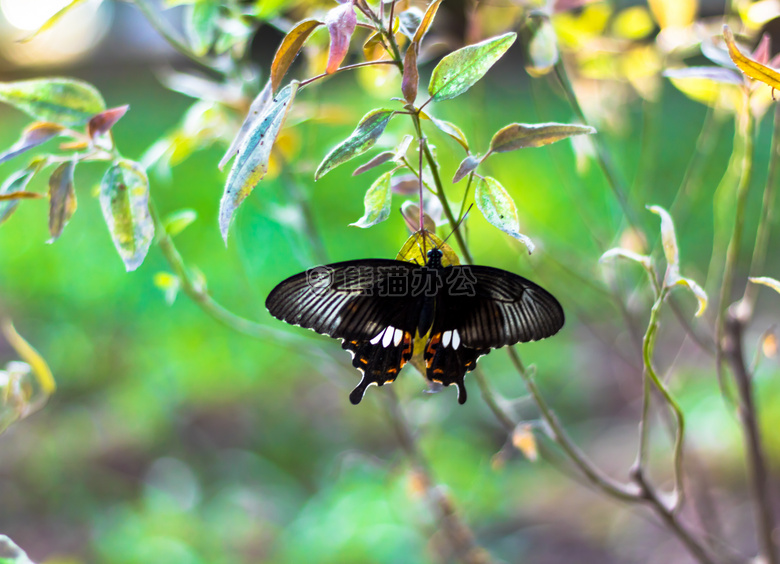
{"x": 366, "y": 303}
{"x": 480, "y": 308}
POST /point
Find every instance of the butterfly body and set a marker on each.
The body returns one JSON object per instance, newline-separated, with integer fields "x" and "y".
{"x": 379, "y": 307}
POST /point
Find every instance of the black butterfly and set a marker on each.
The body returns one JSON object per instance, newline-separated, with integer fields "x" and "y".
{"x": 379, "y": 306}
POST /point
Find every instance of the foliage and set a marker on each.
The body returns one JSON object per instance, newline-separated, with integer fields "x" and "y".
{"x": 592, "y": 65}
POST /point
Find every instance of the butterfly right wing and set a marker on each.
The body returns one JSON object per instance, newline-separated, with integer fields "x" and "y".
{"x": 366, "y": 303}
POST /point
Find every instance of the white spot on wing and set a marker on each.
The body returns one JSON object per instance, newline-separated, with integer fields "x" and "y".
{"x": 398, "y": 336}
{"x": 445, "y": 339}
{"x": 455, "y": 339}
{"x": 376, "y": 339}
{"x": 388, "y": 338}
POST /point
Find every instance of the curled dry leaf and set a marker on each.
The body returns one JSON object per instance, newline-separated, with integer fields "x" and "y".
{"x": 766, "y": 281}
{"x": 668, "y": 238}
{"x": 698, "y": 291}
{"x": 751, "y": 68}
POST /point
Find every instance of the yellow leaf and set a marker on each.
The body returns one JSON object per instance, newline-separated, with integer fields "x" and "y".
{"x": 674, "y": 13}
{"x": 698, "y": 291}
{"x": 751, "y": 68}
{"x": 28, "y": 354}
{"x": 523, "y": 439}
{"x": 766, "y": 281}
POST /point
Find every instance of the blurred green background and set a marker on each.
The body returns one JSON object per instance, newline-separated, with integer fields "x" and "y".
{"x": 173, "y": 439}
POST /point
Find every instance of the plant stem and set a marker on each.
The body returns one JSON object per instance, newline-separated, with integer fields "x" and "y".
{"x": 756, "y": 460}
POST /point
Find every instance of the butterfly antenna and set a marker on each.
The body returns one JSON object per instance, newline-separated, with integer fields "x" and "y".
{"x": 457, "y": 225}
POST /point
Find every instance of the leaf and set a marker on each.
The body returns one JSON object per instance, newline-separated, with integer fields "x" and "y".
{"x": 377, "y": 202}
{"x": 751, "y": 68}
{"x": 715, "y": 74}
{"x": 200, "y": 25}
{"x": 409, "y": 21}
{"x": 103, "y": 122}
{"x": 48, "y": 24}
{"x": 523, "y": 440}
{"x": 15, "y": 184}
{"x": 644, "y": 260}
{"x": 499, "y": 209}
{"x": 64, "y": 101}
{"x": 378, "y": 160}
{"x": 178, "y": 221}
{"x": 256, "y": 111}
{"x": 520, "y": 135}
{"x": 253, "y": 154}
{"x": 368, "y": 130}
{"x": 34, "y": 135}
{"x": 411, "y": 212}
{"x": 449, "y": 128}
{"x": 668, "y": 238}
{"x": 29, "y": 355}
{"x": 289, "y": 48}
{"x": 675, "y": 279}
{"x": 21, "y": 195}
{"x": 467, "y": 166}
{"x": 124, "y": 199}
{"x": 766, "y": 281}
{"x": 411, "y": 75}
{"x": 341, "y": 22}
{"x": 461, "y": 69}
{"x": 427, "y": 20}
{"x": 542, "y": 48}
{"x": 62, "y": 198}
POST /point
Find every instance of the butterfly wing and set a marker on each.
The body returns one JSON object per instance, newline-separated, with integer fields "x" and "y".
{"x": 366, "y": 303}
{"x": 479, "y": 308}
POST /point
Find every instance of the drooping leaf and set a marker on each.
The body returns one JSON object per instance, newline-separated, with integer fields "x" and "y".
{"x": 256, "y": 111}
{"x": 461, "y": 69}
{"x": 201, "y": 25}
{"x": 15, "y": 184}
{"x": 521, "y": 135}
{"x": 289, "y": 49}
{"x": 104, "y": 121}
{"x": 675, "y": 279}
{"x": 751, "y": 68}
{"x": 34, "y": 135}
{"x": 668, "y": 238}
{"x": 380, "y": 159}
{"x": 767, "y": 281}
{"x": 467, "y": 166}
{"x": 427, "y": 20}
{"x": 251, "y": 164}
{"x": 411, "y": 75}
{"x": 377, "y": 202}
{"x": 28, "y": 354}
{"x": 48, "y": 24}
{"x": 368, "y": 130}
{"x": 124, "y": 199}
{"x": 644, "y": 260}
{"x": 499, "y": 209}
{"x": 64, "y": 101}
{"x": 62, "y": 198}
{"x": 542, "y": 48}
{"x": 178, "y": 221}
{"x": 448, "y": 128}
{"x": 341, "y": 22}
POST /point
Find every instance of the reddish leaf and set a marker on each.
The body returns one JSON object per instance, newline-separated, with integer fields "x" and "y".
{"x": 380, "y": 159}
{"x": 34, "y": 135}
{"x": 411, "y": 76}
{"x": 104, "y": 121}
{"x": 289, "y": 49}
{"x": 341, "y": 22}
{"x": 62, "y": 198}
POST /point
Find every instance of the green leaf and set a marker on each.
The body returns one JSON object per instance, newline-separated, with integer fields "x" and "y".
{"x": 62, "y": 198}
{"x": 499, "y": 209}
{"x": 253, "y": 154}
{"x": 124, "y": 198}
{"x": 521, "y": 135}
{"x": 169, "y": 284}
{"x": 377, "y": 202}
{"x": 461, "y": 69}
{"x": 361, "y": 140}
{"x": 34, "y": 135}
{"x": 16, "y": 183}
{"x": 201, "y": 25}
{"x": 449, "y": 128}
{"x": 64, "y": 101}
{"x": 178, "y": 221}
